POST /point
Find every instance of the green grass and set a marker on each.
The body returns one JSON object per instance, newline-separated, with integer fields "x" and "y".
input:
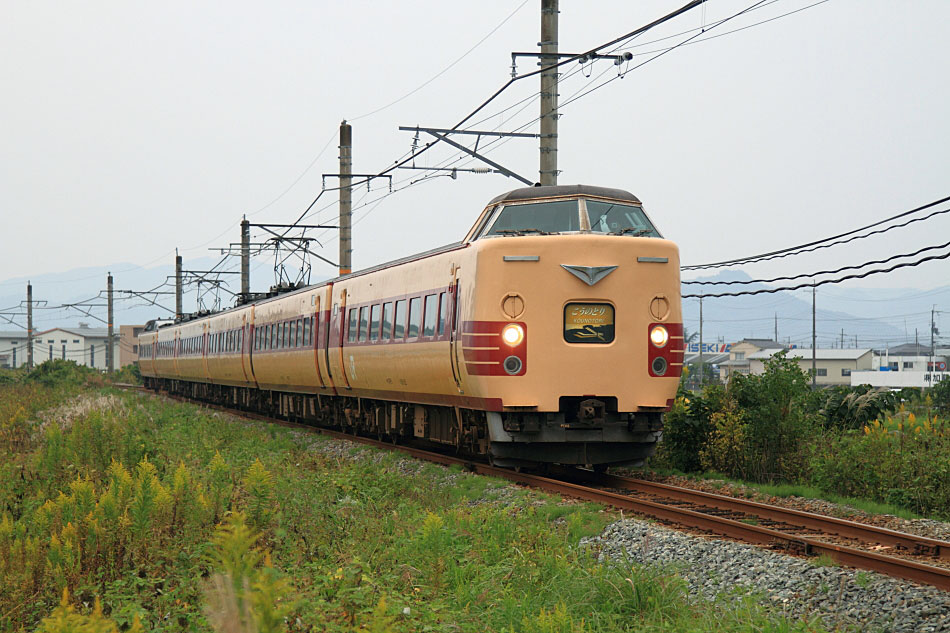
{"x": 352, "y": 540}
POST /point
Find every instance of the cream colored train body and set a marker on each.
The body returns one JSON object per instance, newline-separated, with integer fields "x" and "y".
{"x": 551, "y": 333}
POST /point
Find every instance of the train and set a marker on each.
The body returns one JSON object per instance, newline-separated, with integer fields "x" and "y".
{"x": 550, "y": 334}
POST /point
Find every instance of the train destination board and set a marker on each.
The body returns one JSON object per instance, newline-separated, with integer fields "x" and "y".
{"x": 589, "y": 323}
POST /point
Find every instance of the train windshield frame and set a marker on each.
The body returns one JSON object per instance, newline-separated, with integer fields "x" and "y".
{"x": 559, "y": 217}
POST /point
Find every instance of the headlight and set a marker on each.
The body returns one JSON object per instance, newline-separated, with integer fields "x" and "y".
{"x": 512, "y": 334}
{"x": 659, "y": 336}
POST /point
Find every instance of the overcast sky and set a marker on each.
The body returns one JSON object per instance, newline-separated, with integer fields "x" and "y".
{"x": 130, "y": 129}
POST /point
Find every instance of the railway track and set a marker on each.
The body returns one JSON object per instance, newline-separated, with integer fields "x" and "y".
{"x": 850, "y": 543}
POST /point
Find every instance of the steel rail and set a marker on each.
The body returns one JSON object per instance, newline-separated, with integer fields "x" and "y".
{"x": 918, "y": 545}
{"x": 892, "y": 566}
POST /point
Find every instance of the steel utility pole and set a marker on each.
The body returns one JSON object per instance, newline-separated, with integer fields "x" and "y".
{"x": 549, "y": 73}
{"x": 776, "y": 327}
{"x": 346, "y": 199}
{"x": 245, "y": 260}
{"x": 814, "y": 353}
{"x": 110, "y": 352}
{"x": 29, "y": 326}
{"x": 177, "y": 286}
{"x": 702, "y": 374}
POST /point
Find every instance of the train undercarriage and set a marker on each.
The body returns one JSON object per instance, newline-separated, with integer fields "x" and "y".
{"x": 584, "y": 432}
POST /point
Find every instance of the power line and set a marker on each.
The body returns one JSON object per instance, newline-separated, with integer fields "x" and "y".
{"x": 790, "y": 250}
{"x": 825, "y": 281}
{"x": 820, "y": 272}
{"x": 444, "y": 70}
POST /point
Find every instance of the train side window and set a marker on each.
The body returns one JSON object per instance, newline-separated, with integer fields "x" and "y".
{"x": 443, "y": 309}
{"x": 306, "y": 331}
{"x": 364, "y": 323}
{"x": 374, "y": 323}
{"x": 241, "y": 340}
{"x": 399, "y": 326}
{"x": 300, "y": 342}
{"x": 415, "y": 316}
{"x": 293, "y": 334}
{"x": 387, "y": 321}
{"x": 273, "y": 336}
{"x": 351, "y": 337}
{"x": 431, "y": 315}
{"x": 285, "y": 336}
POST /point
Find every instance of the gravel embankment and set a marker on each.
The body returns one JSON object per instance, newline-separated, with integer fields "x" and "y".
{"x": 844, "y": 598}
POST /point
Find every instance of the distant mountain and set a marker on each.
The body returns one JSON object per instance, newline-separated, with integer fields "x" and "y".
{"x": 867, "y": 316}
{"x": 83, "y": 284}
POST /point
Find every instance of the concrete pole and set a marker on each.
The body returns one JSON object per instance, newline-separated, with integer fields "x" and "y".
{"x": 814, "y": 353}
{"x": 702, "y": 374}
{"x": 245, "y": 260}
{"x": 346, "y": 199}
{"x": 933, "y": 345}
{"x": 549, "y": 48}
{"x": 177, "y": 287}
{"x": 29, "y": 326}
{"x": 110, "y": 352}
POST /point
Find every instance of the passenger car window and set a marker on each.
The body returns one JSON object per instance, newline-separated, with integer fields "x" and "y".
{"x": 306, "y": 330}
{"x": 432, "y": 315}
{"x": 364, "y": 323}
{"x": 415, "y": 315}
{"x": 399, "y": 327}
{"x": 351, "y": 335}
{"x": 374, "y": 323}
{"x": 293, "y": 334}
{"x": 443, "y": 310}
{"x": 387, "y": 321}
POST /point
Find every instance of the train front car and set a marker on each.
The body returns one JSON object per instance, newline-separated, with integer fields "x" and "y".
{"x": 574, "y": 322}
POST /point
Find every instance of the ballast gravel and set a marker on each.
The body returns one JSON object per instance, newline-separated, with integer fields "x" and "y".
{"x": 844, "y": 598}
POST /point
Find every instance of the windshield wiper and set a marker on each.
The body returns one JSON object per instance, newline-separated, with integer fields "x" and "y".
{"x": 637, "y": 232}
{"x": 520, "y": 231}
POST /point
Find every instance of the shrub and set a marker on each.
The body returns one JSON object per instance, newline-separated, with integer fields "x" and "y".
{"x": 775, "y": 406}
{"x": 940, "y": 396}
{"x": 853, "y": 407}
{"x": 901, "y": 460}
{"x": 58, "y": 373}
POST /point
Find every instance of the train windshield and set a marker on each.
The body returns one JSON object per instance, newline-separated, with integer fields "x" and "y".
{"x": 539, "y": 218}
{"x": 619, "y": 219}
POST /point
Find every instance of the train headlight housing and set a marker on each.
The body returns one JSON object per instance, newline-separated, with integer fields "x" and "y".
{"x": 659, "y": 336}
{"x": 512, "y": 334}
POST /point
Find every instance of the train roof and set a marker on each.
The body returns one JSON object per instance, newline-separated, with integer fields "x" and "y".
{"x": 550, "y": 191}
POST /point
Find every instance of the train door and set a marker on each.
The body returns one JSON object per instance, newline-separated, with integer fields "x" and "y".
{"x": 314, "y": 326}
{"x": 204, "y": 356}
{"x": 252, "y": 336}
{"x": 339, "y": 322}
{"x": 455, "y": 333}
{"x": 245, "y": 348}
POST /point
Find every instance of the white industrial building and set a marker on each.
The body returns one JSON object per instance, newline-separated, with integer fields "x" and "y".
{"x": 83, "y": 344}
{"x": 834, "y": 366}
